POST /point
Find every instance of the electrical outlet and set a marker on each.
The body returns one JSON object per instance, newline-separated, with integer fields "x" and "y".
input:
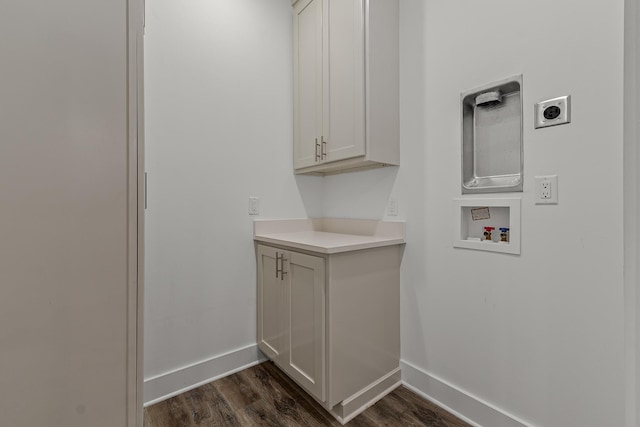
{"x": 546, "y": 190}
{"x": 392, "y": 207}
{"x": 254, "y": 206}
{"x": 552, "y": 112}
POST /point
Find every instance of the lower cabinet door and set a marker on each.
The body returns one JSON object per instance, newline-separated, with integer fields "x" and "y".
{"x": 270, "y": 303}
{"x": 304, "y": 322}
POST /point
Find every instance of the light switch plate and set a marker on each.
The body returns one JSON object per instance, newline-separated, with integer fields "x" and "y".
{"x": 254, "y": 206}
{"x": 392, "y": 207}
{"x": 553, "y": 112}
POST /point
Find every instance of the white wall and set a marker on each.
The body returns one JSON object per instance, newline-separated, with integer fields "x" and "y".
{"x": 538, "y": 336}
{"x": 218, "y": 130}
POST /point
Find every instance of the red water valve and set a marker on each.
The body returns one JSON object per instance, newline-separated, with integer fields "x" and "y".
{"x": 487, "y": 233}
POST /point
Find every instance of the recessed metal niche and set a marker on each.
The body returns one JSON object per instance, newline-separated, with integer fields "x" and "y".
{"x": 492, "y": 160}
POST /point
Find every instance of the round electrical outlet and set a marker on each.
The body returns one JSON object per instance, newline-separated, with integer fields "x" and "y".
{"x": 552, "y": 112}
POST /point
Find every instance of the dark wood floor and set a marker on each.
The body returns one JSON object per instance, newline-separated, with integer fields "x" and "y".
{"x": 264, "y": 396}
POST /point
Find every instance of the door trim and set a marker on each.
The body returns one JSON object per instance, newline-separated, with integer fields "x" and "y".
{"x": 135, "y": 148}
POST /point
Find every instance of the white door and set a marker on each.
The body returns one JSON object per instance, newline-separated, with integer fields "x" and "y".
{"x": 307, "y": 72}
{"x": 304, "y": 322}
{"x": 68, "y": 208}
{"x": 344, "y": 85}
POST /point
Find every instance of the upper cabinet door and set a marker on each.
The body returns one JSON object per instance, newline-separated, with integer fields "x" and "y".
{"x": 308, "y": 68}
{"x": 344, "y": 83}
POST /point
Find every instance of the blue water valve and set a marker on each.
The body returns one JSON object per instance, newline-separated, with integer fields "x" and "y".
{"x": 504, "y": 235}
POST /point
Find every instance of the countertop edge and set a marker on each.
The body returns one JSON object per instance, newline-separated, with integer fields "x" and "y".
{"x": 330, "y": 250}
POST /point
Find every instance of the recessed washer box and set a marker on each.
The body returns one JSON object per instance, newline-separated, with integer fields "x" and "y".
{"x": 471, "y": 216}
{"x": 492, "y": 159}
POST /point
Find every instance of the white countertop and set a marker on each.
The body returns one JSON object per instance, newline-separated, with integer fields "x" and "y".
{"x": 329, "y": 235}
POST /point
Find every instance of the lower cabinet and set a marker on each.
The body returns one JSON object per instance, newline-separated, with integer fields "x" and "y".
{"x": 291, "y": 314}
{"x": 332, "y": 322}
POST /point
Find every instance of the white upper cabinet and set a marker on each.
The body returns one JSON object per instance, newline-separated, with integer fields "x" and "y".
{"x": 345, "y": 85}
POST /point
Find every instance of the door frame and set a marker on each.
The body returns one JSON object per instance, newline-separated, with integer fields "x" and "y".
{"x": 631, "y": 220}
{"x": 136, "y": 201}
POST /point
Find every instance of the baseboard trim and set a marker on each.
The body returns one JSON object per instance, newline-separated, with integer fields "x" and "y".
{"x": 460, "y": 403}
{"x": 170, "y": 384}
{"x": 352, "y": 406}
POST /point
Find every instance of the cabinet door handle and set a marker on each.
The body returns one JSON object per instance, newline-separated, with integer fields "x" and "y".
{"x": 324, "y": 148}
{"x": 280, "y": 270}
{"x": 318, "y": 156}
{"x": 277, "y": 259}
{"x": 145, "y": 190}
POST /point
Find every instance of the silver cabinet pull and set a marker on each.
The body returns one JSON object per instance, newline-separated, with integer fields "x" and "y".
{"x": 277, "y": 259}
{"x": 318, "y": 156}
{"x": 324, "y": 148}
{"x": 280, "y": 270}
{"x": 145, "y": 190}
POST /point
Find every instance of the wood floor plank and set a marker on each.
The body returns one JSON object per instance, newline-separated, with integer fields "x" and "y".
{"x": 178, "y": 413}
{"x": 425, "y": 411}
{"x": 288, "y": 401}
{"x": 388, "y": 413}
{"x": 264, "y": 396}
{"x": 361, "y": 421}
{"x": 304, "y": 400}
{"x": 208, "y": 407}
{"x": 158, "y": 415}
{"x": 262, "y": 414}
{"x": 237, "y": 391}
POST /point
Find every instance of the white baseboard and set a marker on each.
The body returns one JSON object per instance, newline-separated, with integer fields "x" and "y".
{"x": 353, "y": 406}
{"x": 169, "y": 384}
{"x": 465, "y": 406}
